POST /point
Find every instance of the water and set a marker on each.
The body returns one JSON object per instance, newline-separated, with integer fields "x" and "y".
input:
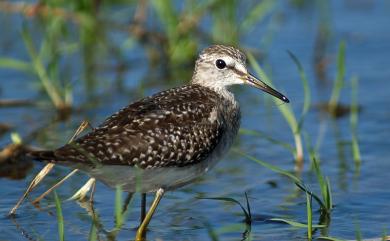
{"x": 360, "y": 194}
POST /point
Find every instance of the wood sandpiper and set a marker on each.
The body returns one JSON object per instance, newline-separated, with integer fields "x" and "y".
{"x": 168, "y": 139}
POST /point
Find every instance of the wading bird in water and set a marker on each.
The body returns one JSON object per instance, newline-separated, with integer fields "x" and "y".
{"x": 166, "y": 140}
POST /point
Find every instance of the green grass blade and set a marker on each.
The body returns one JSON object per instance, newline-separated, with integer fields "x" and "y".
{"x": 311, "y": 150}
{"x": 39, "y": 68}
{"x": 60, "y": 218}
{"x": 384, "y": 235}
{"x": 339, "y": 82}
{"x": 248, "y": 207}
{"x": 306, "y": 88}
{"x": 356, "y": 150}
{"x": 329, "y": 194}
{"x": 276, "y": 169}
{"x": 358, "y": 232}
{"x": 93, "y": 232}
{"x": 121, "y": 211}
{"x": 324, "y": 186}
{"x": 211, "y": 232}
{"x": 166, "y": 12}
{"x": 232, "y": 200}
{"x": 257, "y": 13}
{"x": 309, "y": 216}
{"x": 285, "y": 109}
{"x": 330, "y": 238}
{"x": 118, "y": 207}
{"x": 294, "y": 223}
{"x": 317, "y": 198}
{"x": 224, "y": 20}
{"x": 258, "y": 133}
{"x": 320, "y": 177}
{"x": 269, "y": 166}
{"x": 236, "y": 228}
{"x": 354, "y": 120}
{"x": 9, "y": 63}
{"x": 181, "y": 46}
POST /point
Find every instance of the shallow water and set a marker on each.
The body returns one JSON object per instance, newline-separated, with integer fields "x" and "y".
{"x": 360, "y": 195}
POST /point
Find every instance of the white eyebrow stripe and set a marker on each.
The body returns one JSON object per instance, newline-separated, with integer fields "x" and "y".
{"x": 229, "y": 61}
{"x": 241, "y": 68}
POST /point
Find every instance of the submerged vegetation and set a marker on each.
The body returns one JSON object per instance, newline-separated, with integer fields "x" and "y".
{"x": 78, "y": 55}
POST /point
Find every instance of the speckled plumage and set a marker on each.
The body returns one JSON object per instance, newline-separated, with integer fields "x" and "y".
{"x": 173, "y": 136}
{"x": 177, "y": 127}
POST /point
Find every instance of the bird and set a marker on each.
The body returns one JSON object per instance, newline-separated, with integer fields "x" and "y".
{"x": 166, "y": 140}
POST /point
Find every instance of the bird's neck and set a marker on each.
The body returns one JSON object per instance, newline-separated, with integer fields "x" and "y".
{"x": 229, "y": 107}
{"x": 224, "y": 93}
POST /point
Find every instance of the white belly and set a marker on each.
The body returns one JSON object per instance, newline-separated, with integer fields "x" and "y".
{"x": 133, "y": 179}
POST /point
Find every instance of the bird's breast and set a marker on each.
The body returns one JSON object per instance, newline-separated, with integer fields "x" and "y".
{"x": 229, "y": 116}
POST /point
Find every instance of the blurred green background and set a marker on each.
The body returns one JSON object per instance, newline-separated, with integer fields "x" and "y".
{"x": 62, "y": 62}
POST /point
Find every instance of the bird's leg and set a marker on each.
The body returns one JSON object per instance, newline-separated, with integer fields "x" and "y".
{"x": 141, "y": 232}
{"x": 143, "y": 207}
{"x": 127, "y": 201}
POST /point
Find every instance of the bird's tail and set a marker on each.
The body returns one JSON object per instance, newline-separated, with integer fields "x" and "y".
{"x": 42, "y": 155}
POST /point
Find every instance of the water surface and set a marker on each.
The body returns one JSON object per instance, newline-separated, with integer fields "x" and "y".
{"x": 360, "y": 194}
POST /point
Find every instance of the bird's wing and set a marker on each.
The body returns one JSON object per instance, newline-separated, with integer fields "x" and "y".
{"x": 173, "y": 128}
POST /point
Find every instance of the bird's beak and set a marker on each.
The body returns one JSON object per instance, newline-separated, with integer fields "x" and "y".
{"x": 251, "y": 80}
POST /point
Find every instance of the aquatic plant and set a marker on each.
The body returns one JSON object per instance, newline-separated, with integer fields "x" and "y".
{"x": 286, "y": 112}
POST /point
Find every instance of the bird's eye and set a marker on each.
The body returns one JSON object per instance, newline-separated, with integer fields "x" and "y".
{"x": 220, "y": 64}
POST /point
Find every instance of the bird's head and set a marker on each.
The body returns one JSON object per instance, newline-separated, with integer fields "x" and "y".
{"x": 219, "y": 66}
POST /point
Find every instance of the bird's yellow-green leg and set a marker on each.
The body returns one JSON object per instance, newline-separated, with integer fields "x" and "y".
{"x": 142, "y": 228}
{"x": 143, "y": 207}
